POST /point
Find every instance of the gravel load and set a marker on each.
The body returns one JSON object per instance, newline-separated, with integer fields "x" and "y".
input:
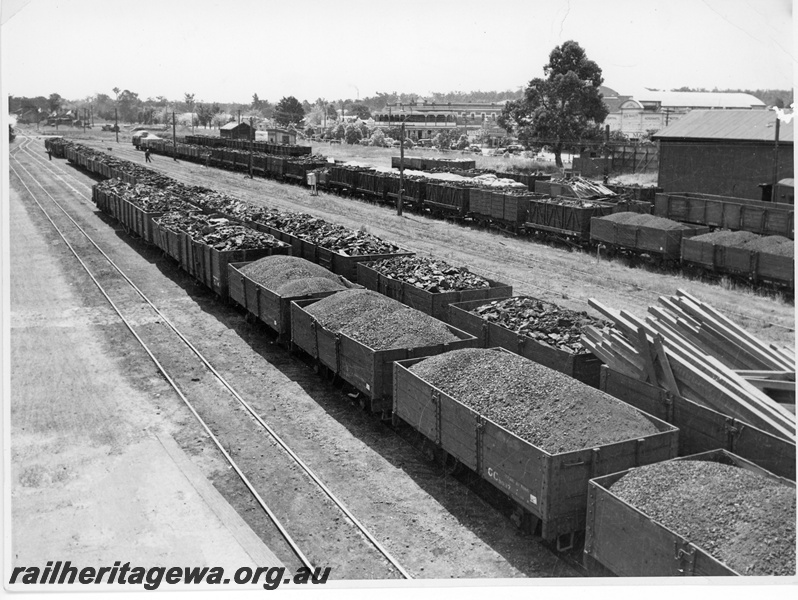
{"x": 743, "y": 519}
{"x": 378, "y": 322}
{"x": 768, "y": 244}
{"x": 644, "y": 220}
{"x": 429, "y": 274}
{"x": 290, "y": 276}
{"x": 547, "y": 409}
{"x": 543, "y": 321}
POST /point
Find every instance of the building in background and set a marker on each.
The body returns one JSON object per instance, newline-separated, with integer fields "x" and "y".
{"x": 276, "y": 135}
{"x": 237, "y": 131}
{"x": 725, "y": 152}
{"x": 649, "y": 111}
{"x": 423, "y": 120}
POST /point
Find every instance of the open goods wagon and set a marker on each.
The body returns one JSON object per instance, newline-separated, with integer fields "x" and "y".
{"x": 204, "y": 262}
{"x": 632, "y": 544}
{"x": 269, "y": 307}
{"x": 447, "y": 200}
{"x": 369, "y": 371}
{"x": 584, "y": 367}
{"x": 564, "y": 216}
{"x": 766, "y": 218}
{"x": 507, "y": 209}
{"x": 435, "y": 304}
{"x": 551, "y": 487}
{"x": 428, "y": 164}
{"x": 701, "y": 428}
{"x": 753, "y": 265}
{"x": 339, "y": 263}
{"x": 665, "y": 243}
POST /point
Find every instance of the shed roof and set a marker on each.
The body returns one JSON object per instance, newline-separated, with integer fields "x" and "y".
{"x": 233, "y": 125}
{"x": 700, "y": 99}
{"x": 731, "y": 125}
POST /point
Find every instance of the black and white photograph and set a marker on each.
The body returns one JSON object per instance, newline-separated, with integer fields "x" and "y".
{"x": 416, "y": 296}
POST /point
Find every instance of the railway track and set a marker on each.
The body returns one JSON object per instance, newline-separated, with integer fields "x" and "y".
{"x": 207, "y": 394}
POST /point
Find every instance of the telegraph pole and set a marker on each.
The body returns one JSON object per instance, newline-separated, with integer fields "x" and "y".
{"x": 174, "y": 137}
{"x": 116, "y": 124}
{"x": 774, "y": 195}
{"x": 251, "y": 144}
{"x": 401, "y": 170}
{"x": 84, "y": 120}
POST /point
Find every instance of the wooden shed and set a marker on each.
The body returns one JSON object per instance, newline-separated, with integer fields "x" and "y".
{"x": 237, "y": 131}
{"x": 281, "y": 136}
{"x": 725, "y": 152}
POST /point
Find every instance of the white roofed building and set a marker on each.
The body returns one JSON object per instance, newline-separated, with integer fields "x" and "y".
{"x": 649, "y": 111}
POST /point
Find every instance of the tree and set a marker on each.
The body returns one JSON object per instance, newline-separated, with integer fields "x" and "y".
{"x": 361, "y": 111}
{"x": 54, "y": 102}
{"x": 352, "y": 134}
{"x": 377, "y": 138}
{"x": 257, "y": 103}
{"x": 561, "y": 107}
{"x": 129, "y": 104}
{"x": 188, "y": 100}
{"x": 288, "y": 110}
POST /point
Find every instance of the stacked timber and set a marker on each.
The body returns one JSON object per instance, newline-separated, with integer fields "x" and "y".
{"x": 691, "y": 350}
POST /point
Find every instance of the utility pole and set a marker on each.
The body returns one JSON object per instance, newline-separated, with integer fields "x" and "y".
{"x": 606, "y": 153}
{"x": 401, "y": 170}
{"x": 91, "y": 113}
{"x": 174, "y": 137}
{"x": 116, "y": 124}
{"x": 251, "y": 138}
{"x": 774, "y": 195}
{"x": 84, "y": 120}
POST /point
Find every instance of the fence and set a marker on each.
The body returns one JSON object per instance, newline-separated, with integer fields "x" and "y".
{"x": 625, "y": 158}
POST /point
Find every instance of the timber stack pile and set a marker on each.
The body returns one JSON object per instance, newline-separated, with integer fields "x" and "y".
{"x": 691, "y": 350}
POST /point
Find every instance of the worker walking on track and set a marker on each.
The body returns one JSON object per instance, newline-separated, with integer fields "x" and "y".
{"x": 49, "y": 154}
{"x": 147, "y": 155}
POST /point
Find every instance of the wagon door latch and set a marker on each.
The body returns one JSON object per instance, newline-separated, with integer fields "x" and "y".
{"x": 684, "y": 555}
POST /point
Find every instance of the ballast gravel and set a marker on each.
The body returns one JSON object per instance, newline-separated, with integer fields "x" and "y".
{"x": 290, "y": 276}
{"x": 741, "y": 518}
{"x": 544, "y": 407}
{"x": 378, "y": 322}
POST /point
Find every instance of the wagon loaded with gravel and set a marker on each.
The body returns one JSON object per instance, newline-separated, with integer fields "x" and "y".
{"x": 427, "y": 284}
{"x": 709, "y": 514}
{"x": 538, "y": 330}
{"x": 535, "y": 434}
{"x": 358, "y": 334}
{"x": 640, "y": 233}
{"x": 266, "y": 288}
{"x": 744, "y": 254}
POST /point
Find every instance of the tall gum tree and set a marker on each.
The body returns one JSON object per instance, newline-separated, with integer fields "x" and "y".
{"x": 561, "y": 107}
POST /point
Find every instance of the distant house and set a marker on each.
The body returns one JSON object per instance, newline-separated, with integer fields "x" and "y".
{"x": 276, "y": 135}
{"x": 725, "y": 152}
{"x": 650, "y": 111}
{"x": 237, "y": 131}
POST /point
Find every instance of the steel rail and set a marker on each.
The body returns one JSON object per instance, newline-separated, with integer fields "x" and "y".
{"x": 238, "y": 397}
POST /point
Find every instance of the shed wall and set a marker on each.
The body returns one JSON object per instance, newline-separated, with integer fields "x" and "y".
{"x": 721, "y": 168}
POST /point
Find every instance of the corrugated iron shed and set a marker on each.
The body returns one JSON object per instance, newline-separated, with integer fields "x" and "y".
{"x": 729, "y": 125}
{"x": 698, "y": 100}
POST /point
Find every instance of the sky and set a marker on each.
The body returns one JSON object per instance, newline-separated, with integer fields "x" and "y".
{"x": 228, "y": 50}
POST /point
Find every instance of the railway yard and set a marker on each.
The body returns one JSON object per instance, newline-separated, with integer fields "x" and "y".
{"x": 287, "y": 432}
